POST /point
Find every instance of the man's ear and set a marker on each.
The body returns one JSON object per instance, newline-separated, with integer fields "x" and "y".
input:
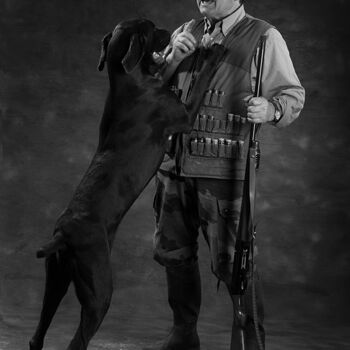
{"x": 104, "y": 45}
{"x": 134, "y": 54}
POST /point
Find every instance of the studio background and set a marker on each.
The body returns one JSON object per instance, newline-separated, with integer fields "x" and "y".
{"x": 51, "y": 101}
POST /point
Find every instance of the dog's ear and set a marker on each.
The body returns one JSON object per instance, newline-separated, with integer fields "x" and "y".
{"x": 134, "y": 54}
{"x": 104, "y": 46}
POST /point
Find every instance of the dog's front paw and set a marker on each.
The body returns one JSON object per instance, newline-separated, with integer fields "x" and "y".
{"x": 57, "y": 243}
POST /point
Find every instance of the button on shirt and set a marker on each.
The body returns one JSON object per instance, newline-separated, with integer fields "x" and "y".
{"x": 280, "y": 82}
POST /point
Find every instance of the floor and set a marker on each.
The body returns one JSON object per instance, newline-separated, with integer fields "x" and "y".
{"x": 138, "y": 319}
{"x": 298, "y": 317}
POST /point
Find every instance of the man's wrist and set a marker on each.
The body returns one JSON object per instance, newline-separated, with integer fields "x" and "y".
{"x": 171, "y": 59}
{"x": 276, "y": 113}
{"x": 270, "y": 112}
{"x": 169, "y": 67}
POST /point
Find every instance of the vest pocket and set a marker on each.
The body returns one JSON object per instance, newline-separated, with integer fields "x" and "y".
{"x": 205, "y": 156}
{"x": 230, "y": 209}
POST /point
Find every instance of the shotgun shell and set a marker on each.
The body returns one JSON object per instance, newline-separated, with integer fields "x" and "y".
{"x": 221, "y": 99}
{"x": 214, "y": 98}
{"x": 210, "y": 123}
{"x": 228, "y": 149}
{"x": 234, "y": 149}
{"x": 207, "y": 97}
{"x": 216, "y": 127}
{"x": 214, "y": 147}
{"x": 229, "y": 124}
{"x": 240, "y": 149}
{"x": 207, "y": 147}
{"x": 202, "y": 122}
{"x": 237, "y": 124}
{"x": 201, "y": 146}
{"x": 196, "y": 123}
{"x": 194, "y": 146}
{"x": 221, "y": 148}
{"x": 222, "y": 125}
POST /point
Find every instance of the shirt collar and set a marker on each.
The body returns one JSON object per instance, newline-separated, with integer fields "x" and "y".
{"x": 228, "y": 22}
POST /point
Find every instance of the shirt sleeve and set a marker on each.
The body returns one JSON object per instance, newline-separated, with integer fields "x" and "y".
{"x": 280, "y": 83}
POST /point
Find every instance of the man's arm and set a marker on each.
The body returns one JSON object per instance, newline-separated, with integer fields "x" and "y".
{"x": 281, "y": 87}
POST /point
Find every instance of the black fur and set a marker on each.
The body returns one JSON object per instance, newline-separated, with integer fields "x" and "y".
{"x": 140, "y": 113}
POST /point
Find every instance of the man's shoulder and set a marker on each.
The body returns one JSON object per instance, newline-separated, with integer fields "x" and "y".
{"x": 272, "y": 33}
{"x": 259, "y": 22}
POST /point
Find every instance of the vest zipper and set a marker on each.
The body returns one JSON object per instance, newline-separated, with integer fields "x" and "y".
{"x": 193, "y": 73}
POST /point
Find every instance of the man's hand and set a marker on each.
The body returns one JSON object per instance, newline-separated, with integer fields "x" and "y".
{"x": 184, "y": 45}
{"x": 260, "y": 110}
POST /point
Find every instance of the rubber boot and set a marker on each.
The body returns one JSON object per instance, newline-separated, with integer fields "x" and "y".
{"x": 184, "y": 296}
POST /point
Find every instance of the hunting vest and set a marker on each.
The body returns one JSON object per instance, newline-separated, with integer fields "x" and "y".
{"x": 217, "y": 145}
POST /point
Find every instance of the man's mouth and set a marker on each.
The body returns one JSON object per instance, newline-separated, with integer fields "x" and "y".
{"x": 206, "y": 2}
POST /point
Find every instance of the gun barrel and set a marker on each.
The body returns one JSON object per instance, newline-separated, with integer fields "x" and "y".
{"x": 258, "y": 84}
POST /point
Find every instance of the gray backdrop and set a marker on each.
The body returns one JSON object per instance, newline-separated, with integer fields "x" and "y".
{"x": 51, "y": 100}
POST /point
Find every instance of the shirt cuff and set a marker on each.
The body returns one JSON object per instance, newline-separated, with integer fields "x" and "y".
{"x": 278, "y": 107}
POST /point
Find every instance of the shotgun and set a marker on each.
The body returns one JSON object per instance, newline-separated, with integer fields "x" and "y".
{"x": 246, "y": 230}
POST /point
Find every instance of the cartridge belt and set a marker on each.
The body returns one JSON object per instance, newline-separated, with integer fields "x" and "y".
{"x": 211, "y": 157}
{"x": 216, "y": 147}
{"x": 228, "y": 124}
{"x": 213, "y": 147}
{"x": 212, "y": 98}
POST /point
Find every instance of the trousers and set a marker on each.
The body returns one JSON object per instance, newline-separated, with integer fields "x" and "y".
{"x": 184, "y": 205}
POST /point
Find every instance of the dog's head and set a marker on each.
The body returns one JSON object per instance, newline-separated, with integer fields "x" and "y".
{"x": 132, "y": 43}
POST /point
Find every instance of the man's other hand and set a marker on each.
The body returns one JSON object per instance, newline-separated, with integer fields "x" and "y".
{"x": 260, "y": 110}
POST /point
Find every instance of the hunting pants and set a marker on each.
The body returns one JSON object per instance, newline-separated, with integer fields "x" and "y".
{"x": 182, "y": 206}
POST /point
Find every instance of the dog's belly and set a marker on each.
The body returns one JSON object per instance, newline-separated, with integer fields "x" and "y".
{"x": 130, "y": 151}
{"x": 130, "y": 174}
{"x": 112, "y": 183}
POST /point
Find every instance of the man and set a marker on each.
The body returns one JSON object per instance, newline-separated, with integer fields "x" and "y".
{"x": 201, "y": 185}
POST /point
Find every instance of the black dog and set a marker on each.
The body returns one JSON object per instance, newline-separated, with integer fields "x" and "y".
{"x": 139, "y": 115}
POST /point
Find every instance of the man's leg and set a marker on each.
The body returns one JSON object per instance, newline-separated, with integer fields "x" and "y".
{"x": 184, "y": 295}
{"x": 219, "y": 211}
{"x": 176, "y": 249}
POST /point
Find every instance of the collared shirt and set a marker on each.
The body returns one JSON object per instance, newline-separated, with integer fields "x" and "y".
{"x": 228, "y": 22}
{"x": 280, "y": 83}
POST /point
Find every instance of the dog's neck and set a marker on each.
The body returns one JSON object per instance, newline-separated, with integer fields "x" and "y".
{"x": 121, "y": 81}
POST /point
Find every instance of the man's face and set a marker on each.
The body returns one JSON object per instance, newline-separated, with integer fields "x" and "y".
{"x": 217, "y": 9}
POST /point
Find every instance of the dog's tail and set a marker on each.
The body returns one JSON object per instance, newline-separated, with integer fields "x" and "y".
{"x": 104, "y": 46}
{"x": 57, "y": 243}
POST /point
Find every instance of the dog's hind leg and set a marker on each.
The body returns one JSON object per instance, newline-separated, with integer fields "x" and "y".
{"x": 92, "y": 278}
{"x": 58, "y": 278}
